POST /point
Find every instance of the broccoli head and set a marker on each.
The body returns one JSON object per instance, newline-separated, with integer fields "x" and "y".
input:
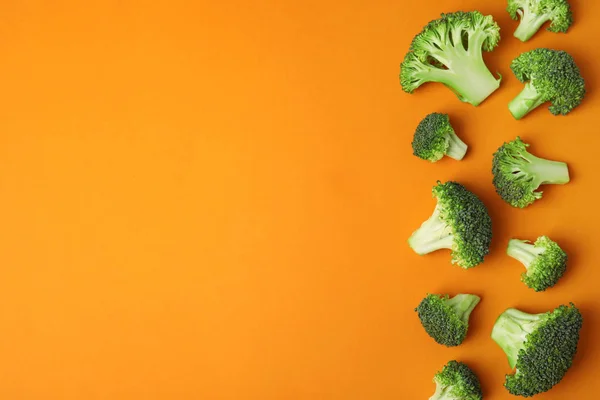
{"x": 449, "y": 51}
{"x": 540, "y": 346}
{"x": 544, "y": 260}
{"x": 446, "y": 319}
{"x": 549, "y": 76}
{"x": 456, "y": 381}
{"x": 460, "y": 222}
{"x": 435, "y": 138}
{"x": 535, "y": 13}
{"x": 518, "y": 173}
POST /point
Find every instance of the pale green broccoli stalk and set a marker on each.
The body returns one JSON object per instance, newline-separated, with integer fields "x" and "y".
{"x": 544, "y": 260}
{"x": 456, "y": 381}
{"x": 540, "y": 347}
{"x": 449, "y": 51}
{"x": 535, "y": 13}
{"x": 435, "y": 138}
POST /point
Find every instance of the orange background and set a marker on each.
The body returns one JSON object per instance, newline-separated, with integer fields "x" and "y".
{"x": 212, "y": 201}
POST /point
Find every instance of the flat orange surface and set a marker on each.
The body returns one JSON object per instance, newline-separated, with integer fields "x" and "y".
{"x": 212, "y": 200}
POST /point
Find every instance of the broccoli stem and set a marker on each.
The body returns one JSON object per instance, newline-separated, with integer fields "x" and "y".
{"x": 456, "y": 147}
{"x": 511, "y": 329}
{"x": 523, "y": 251}
{"x": 525, "y": 102}
{"x": 547, "y": 171}
{"x": 469, "y": 77}
{"x": 432, "y": 235}
{"x": 463, "y": 304}
{"x": 441, "y": 392}
{"x": 529, "y": 25}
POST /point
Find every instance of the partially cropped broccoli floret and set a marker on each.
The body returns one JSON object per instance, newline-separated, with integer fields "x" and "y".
{"x": 549, "y": 76}
{"x": 460, "y": 222}
{"x": 449, "y": 51}
{"x": 535, "y": 13}
{"x": 518, "y": 173}
{"x": 540, "y": 346}
{"x": 447, "y": 320}
{"x": 544, "y": 260}
{"x": 435, "y": 138}
{"x": 456, "y": 381}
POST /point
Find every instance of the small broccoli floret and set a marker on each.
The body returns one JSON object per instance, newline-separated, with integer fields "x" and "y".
{"x": 435, "y": 138}
{"x": 449, "y": 51}
{"x": 540, "y": 346}
{"x": 535, "y": 13}
{"x": 460, "y": 222}
{"x": 447, "y": 320}
{"x": 544, "y": 260}
{"x": 518, "y": 173}
{"x": 549, "y": 76}
{"x": 456, "y": 381}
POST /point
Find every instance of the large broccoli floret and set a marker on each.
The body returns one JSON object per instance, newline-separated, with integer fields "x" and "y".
{"x": 549, "y": 76}
{"x": 449, "y": 51}
{"x": 544, "y": 260}
{"x": 435, "y": 138}
{"x": 456, "y": 381}
{"x": 540, "y": 346}
{"x": 460, "y": 222}
{"x": 535, "y": 13}
{"x": 518, "y": 173}
{"x": 447, "y": 320}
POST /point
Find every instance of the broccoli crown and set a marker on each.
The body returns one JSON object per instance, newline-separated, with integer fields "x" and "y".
{"x": 545, "y": 261}
{"x": 456, "y": 381}
{"x": 435, "y": 138}
{"x": 541, "y": 347}
{"x": 447, "y": 320}
{"x": 552, "y": 76}
{"x": 431, "y": 137}
{"x": 534, "y": 13}
{"x": 518, "y": 173}
{"x": 449, "y": 50}
{"x": 468, "y": 220}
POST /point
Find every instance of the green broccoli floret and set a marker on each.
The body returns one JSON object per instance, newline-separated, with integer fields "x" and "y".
{"x": 535, "y": 13}
{"x": 435, "y": 138}
{"x": 449, "y": 51}
{"x": 549, "y": 76}
{"x": 447, "y": 320}
{"x": 540, "y": 346}
{"x": 544, "y": 260}
{"x": 456, "y": 381}
{"x": 460, "y": 222}
{"x": 518, "y": 173}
